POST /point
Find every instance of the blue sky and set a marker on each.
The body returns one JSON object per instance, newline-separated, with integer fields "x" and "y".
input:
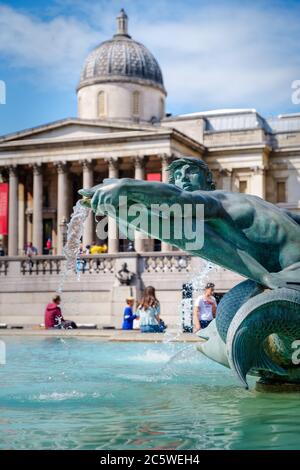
{"x": 213, "y": 54}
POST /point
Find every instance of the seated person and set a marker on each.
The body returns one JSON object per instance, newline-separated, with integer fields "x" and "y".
{"x": 54, "y": 318}
{"x": 149, "y": 313}
{"x": 129, "y": 316}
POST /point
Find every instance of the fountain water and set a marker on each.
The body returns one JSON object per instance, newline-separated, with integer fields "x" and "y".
{"x": 72, "y": 246}
{"x": 197, "y": 279}
{"x": 200, "y": 274}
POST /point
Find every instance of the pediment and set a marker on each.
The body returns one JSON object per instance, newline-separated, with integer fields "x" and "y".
{"x": 71, "y": 129}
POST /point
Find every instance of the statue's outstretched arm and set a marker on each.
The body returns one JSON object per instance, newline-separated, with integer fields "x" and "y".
{"x": 293, "y": 215}
{"x": 147, "y": 193}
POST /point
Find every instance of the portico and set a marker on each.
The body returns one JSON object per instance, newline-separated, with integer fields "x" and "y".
{"x": 46, "y": 167}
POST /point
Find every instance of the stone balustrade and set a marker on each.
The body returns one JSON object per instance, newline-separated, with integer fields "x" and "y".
{"x": 3, "y": 267}
{"x": 41, "y": 265}
{"x": 167, "y": 263}
{"x": 51, "y": 265}
{"x": 96, "y": 296}
{"x": 96, "y": 264}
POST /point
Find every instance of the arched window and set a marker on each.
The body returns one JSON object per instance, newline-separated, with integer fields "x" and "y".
{"x": 101, "y": 104}
{"x": 136, "y": 103}
{"x": 162, "y": 108}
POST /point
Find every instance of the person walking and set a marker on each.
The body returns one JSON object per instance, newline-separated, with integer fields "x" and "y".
{"x": 205, "y": 307}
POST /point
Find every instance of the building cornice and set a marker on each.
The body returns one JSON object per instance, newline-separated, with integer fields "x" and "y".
{"x": 246, "y": 148}
{"x": 115, "y": 137}
{"x": 118, "y": 79}
{"x": 76, "y": 121}
{"x": 293, "y": 149}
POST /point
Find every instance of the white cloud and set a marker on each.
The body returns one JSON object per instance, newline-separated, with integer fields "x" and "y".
{"x": 212, "y": 55}
{"x": 245, "y": 57}
{"x": 53, "y": 50}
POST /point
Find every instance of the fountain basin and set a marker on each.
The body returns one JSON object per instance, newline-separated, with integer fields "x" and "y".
{"x": 81, "y": 393}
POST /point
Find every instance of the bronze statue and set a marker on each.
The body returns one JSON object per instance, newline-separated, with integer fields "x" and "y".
{"x": 242, "y": 233}
{"x": 124, "y": 276}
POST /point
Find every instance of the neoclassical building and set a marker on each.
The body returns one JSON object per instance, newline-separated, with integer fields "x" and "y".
{"x": 122, "y": 130}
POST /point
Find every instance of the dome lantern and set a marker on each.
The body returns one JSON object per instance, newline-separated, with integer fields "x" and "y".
{"x": 122, "y": 24}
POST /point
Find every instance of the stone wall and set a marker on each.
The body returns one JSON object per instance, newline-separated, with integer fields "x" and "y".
{"x": 118, "y": 102}
{"x": 26, "y": 286}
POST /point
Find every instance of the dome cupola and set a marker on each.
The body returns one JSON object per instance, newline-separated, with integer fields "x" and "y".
{"x": 116, "y": 69}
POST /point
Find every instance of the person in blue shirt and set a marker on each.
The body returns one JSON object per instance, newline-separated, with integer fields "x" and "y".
{"x": 129, "y": 316}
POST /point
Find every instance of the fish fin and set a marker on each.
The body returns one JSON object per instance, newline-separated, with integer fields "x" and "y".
{"x": 202, "y": 334}
{"x": 247, "y": 355}
{"x": 263, "y": 362}
{"x": 239, "y": 360}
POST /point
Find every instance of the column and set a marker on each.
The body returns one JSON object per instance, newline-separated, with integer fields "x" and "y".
{"x": 21, "y": 218}
{"x": 88, "y": 181}
{"x": 258, "y": 187}
{"x": 165, "y": 161}
{"x": 37, "y": 215}
{"x": 13, "y": 212}
{"x": 62, "y": 203}
{"x": 226, "y": 179}
{"x": 28, "y": 213}
{"x": 113, "y": 238}
{"x": 3, "y": 238}
{"x": 139, "y": 174}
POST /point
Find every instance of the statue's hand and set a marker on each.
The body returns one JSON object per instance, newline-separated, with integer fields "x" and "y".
{"x": 87, "y": 195}
{"x": 103, "y": 197}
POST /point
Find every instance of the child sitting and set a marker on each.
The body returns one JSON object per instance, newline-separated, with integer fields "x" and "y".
{"x": 129, "y": 316}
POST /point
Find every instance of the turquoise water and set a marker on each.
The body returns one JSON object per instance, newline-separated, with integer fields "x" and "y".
{"x": 77, "y": 393}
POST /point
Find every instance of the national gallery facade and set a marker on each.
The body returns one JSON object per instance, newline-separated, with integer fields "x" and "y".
{"x": 122, "y": 130}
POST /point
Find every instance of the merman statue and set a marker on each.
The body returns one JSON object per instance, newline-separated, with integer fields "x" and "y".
{"x": 258, "y": 321}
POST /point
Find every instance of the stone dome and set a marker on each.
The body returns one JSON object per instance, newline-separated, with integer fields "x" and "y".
{"x": 121, "y": 59}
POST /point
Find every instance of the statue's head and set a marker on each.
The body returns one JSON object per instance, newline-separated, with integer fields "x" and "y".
{"x": 190, "y": 174}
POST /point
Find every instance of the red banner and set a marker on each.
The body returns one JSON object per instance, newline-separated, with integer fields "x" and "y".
{"x": 153, "y": 177}
{"x": 3, "y": 208}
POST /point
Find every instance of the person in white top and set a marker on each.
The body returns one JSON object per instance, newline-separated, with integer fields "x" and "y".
{"x": 149, "y": 313}
{"x": 205, "y": 307}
